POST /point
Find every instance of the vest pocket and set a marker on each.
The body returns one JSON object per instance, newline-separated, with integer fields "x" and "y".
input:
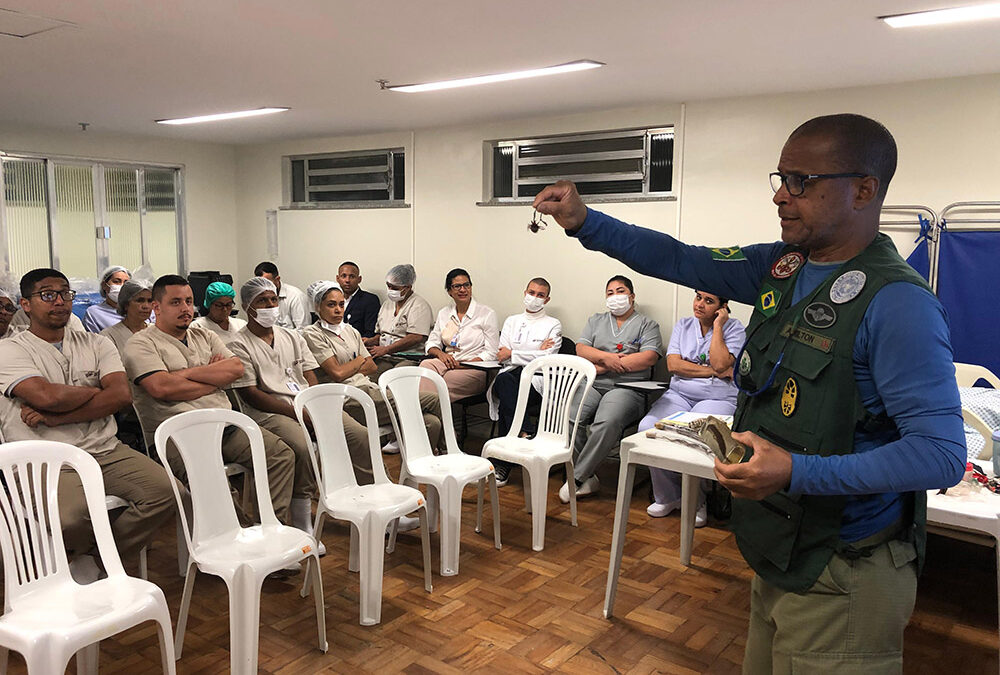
{"x": 775, "y": 524}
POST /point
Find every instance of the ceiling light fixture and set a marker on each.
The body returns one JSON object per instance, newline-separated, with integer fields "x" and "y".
{"x": 942, "y": 16}
{"x": 223, "y": 116}
{"x": 488, "y": 79}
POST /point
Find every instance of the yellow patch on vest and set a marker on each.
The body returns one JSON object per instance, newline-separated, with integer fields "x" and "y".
{"x": 789, "y": 397}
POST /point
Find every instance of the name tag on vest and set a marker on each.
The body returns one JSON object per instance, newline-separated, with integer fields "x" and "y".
{"x": 808, "y": 338}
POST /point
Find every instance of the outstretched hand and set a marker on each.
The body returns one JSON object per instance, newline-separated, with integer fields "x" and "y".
{"x": 766, "y": 472}
{"x": 562, "y": 202}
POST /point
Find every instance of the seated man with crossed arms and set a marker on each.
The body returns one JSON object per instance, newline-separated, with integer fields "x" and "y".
{"x": 65, "y": 385}
{"x": 175, "y": 367}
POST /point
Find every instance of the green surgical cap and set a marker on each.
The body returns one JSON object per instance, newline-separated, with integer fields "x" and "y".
{"x": 216, "y": 290}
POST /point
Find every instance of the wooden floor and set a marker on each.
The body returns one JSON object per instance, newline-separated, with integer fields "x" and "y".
{"x": 517, "y": 611}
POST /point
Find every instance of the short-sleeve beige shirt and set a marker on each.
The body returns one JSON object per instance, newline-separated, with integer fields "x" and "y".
{"x": 84, "y": 360}
{"x": 344, "y": 347}
{"x": 413, "y": 317}
{"x": 119, "y": 334}
{"x": 278, "y": 370}
{"x": 151, "y": 351}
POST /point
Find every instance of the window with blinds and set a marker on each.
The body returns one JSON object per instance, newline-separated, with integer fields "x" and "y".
{"x": 353, "y": 179}
{"x": 79, "y": 216}
{"x": 631, "y": 163}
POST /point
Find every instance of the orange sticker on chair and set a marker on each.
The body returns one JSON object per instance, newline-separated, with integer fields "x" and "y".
{"x": 307, "y": 549}
{"x": 420, "y": 502}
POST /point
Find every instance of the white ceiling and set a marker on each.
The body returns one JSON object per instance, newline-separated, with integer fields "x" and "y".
{"x": 124, "y": 63}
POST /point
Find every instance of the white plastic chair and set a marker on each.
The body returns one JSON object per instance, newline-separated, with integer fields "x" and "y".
{"x": 369, "y": 508}
{"x": 240, "y": 556}
{"x": 445, "y": 475}
{"x": 47, "y": 615}
{"x": 113, "y": 503}
{"x": 562, "y": 376}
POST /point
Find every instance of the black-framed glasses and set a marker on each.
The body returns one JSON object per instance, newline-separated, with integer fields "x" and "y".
{"x": 795, "y": 183}
{"x": 50, "y": 296}
{"x": 7, "y": 307}
{"x": 458, "y": 287}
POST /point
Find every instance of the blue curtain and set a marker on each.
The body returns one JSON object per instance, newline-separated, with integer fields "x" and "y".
{"x": 920, "y": 261}
{"x": 967, "y": 287}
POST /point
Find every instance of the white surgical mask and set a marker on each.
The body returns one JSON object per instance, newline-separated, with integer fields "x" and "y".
{"x": 618, "y": 304}
{"x": 533, "y": 303}
{"x": 395, "y": 295}
{"x": 334, "y": 328}
{"x": 113, "y": 291}
{"x": 268, "y": 316}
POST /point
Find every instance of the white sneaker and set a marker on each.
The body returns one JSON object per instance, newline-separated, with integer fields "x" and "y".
{"x": 701, "y": 517}
{"x": 391, "y": 448}
{"x": 658, "y": 510}
{"x": 588, "y": 487}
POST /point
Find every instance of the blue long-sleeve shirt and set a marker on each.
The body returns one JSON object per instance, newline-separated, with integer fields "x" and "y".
{"x": 902, "y": 365}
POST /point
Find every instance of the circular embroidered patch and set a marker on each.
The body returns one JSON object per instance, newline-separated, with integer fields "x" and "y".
{"x": 786, "y": 265}
{"x": 820, "y": 315}
{"x": 847, "y": 286}
{"x": 745, "y": 364}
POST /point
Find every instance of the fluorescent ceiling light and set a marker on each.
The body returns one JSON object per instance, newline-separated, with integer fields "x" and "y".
{"x": 502, "y": 77}
{"x": 223, "y": 116}
{"x": 942, "y": 16}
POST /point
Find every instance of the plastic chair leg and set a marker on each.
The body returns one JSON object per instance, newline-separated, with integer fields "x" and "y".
{"x": 433, "y": 507}
{"x": 572, "y": 494}
{"x": 495, "y": 501}
{"x": 244, "y": 620}
{"x": 87, "y": 658}
{"x": 425, "y": 544}
{"x": 182, "y": 615}
{"x": 450, "y": 496}
{"x": 313, "y": 573}
{"x": 166, "y": 643}
{"x": 479, "y": 506}
{"x": 317, "y": 534}
{"x": 372, "y": 565}
{"x": 353, "y": 564}
{"x": 539, "y": 503}
{"x": 393, "y": 531}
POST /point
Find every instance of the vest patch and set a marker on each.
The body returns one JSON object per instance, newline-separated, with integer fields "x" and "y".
{"x": 789, "y": 397}
{"x": 820, "y": 315}
{"x": 731, "y": 253}
{"x": 847, "y": 286}
{"x": 768, "y": 301}
{"x": 745, "y": 364}
{"x": 786, "y": 265}
{"x": 808, "y": 338}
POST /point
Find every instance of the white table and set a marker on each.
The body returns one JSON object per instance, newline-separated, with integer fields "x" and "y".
{"x": 692, "y": 463}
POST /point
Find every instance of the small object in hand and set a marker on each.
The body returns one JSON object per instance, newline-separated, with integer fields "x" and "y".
{"x": 718, "y": 437}
{"x": 536, "y": 223}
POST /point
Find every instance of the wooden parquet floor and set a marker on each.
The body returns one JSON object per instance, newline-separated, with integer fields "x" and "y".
{"x": 517, "y": 611}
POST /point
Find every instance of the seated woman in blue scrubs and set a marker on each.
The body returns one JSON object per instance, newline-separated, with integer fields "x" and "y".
{"x": 700, "y": 359}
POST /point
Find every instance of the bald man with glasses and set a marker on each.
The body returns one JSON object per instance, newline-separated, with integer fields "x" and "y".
{"x": 847, "y": 401}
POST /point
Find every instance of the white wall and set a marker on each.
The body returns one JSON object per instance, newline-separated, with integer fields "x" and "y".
{"x": 209, "y": 172}
{"x": 948, "y": 148}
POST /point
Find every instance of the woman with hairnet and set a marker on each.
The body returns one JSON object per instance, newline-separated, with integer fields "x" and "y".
{"x": 135, "y": 305}
{"x": 403, "y": 322}
{"x": 8, "y": 305}
{"x": 99, "y": 317}
{"x": 218, "y": 304}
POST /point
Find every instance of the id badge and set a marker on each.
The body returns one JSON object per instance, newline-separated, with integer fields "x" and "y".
{"x": 294, "y": 387}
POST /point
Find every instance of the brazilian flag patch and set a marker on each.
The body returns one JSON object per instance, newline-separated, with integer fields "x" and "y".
{"x": 731, "y": 253}
{"x": 767, "y": 303}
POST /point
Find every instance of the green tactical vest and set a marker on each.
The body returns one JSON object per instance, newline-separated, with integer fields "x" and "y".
{"x": 812, "y": 405}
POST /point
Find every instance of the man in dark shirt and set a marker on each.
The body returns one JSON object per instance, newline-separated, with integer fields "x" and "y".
{"x": 361, "y": 308}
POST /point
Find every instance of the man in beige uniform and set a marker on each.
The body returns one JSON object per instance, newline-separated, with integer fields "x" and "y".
{"x": 403, "y": 324}
{"x": 175, "y": 367}
{"x": 277, "y": 364}
{"x": 65, "y": 385}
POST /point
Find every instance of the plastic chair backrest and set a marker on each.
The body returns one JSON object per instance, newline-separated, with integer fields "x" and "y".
{"x": 332, "y": 459}
{"x": 402, "y": 386}
{"x": 34, "y": 554}
{"x": 197, "y": 436}
{"x": 561, "y": 375}
{"x": 967, "y": 374}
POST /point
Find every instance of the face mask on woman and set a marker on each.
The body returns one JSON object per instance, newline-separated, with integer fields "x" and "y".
{"x": 394, "y": 295}
{"x": 533, "y": 303}
{"x": 618, "y": 304}
{"x": 113, "y": 291}
{"x": 334, "y": 328}
{"x": 267, "y": 316}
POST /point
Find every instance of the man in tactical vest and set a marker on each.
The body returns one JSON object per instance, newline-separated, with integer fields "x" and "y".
{"x": 848, "y": 401}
